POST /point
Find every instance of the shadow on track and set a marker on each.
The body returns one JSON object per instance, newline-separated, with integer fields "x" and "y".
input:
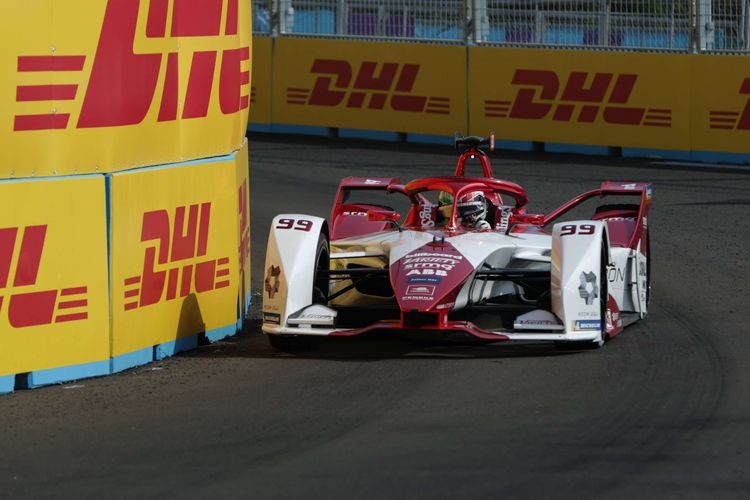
{"x": 251, "y": 343}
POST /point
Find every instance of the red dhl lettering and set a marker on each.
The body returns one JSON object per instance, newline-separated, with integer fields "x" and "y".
{"x": 540, "y": 94}
{"x": 122, "y": 84}
{"x": 172, "y": 265}
{"x": 34, "y": 308}
{"x": 375, "y": 86}
{"x": 732, "y": 120}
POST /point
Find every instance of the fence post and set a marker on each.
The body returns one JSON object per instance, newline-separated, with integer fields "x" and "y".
{"x": 706, "y": 24}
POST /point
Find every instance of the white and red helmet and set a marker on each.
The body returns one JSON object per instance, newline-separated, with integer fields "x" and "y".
{"x": 472, "y": 207}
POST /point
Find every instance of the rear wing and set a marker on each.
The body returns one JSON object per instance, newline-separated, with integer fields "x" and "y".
{"x": 643, "y": 190}
{"x": 350, "y": 219}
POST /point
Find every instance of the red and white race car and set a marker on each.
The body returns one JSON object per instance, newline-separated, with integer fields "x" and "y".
{"x": 468, "y": 262}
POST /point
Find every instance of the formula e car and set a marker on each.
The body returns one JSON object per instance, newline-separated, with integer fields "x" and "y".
{"x": 517, "y": 276}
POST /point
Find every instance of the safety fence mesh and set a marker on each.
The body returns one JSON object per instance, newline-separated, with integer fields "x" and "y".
{"x": 674, "y": 25}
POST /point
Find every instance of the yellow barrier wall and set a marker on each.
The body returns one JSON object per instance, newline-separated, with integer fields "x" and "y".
{"x": 720, "y": 98}
{"x": 369, "y": 85}
{"x": 654, "y": 101}
{"x": 175, "y": 252}
{"x": 260, "y": 101}
{"x": 53, "y": 274}
{"x": 102, "y": 86}
{"x": 581, "y": 97}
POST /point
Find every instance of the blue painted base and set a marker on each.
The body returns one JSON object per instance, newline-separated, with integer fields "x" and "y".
{"x": 581, "y": 149}
{"x": 280, "y": 128}
{"x": 220, "y": 333}
{"x": 265, "y": 128}
{"x": 430, "y": 139}
{"x": 656, "y": 153}
{"x": 7, "y": 384}
{"x": 376, "y": 135}
{"x": 40, "y": 378}
{"x": 131, "y": 359}
{"x": 716, "y": 157}
{"x": 527, "y": 146}
{"x": 168, "y": 349}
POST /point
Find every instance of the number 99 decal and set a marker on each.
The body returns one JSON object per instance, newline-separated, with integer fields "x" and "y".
{"x": 297, "y": 225}
{"x": 583, "y": 229}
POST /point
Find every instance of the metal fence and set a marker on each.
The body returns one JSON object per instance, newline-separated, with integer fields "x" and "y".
{"x": 675, "y": 25}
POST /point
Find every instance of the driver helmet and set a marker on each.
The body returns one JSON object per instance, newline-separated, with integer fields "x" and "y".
{"x": 472, "y": 208}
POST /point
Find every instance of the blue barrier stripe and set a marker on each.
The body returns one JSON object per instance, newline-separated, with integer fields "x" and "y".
{"x": 667, "y": 154}
{"x": 168, "y": 349}
{"x": 50, "y": 178}
{"x": 221, "y": 332}
{"x": 49, "y": 376}
{"x": 7, "y": 383}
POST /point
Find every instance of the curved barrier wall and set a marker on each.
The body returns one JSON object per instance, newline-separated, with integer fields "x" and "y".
{"x": 124, "y": 201}
{"x": 671, "y": 105}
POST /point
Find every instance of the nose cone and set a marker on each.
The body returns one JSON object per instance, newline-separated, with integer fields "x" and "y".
{"x": 430, "y": 277}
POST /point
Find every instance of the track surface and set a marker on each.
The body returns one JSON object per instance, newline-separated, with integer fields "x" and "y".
{"x": 661, "y": 411}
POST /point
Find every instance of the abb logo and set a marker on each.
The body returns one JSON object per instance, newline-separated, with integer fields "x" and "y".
{"x": 24, "y": 247}
{"x": 375, "y": 86}
{"x": 123, "y": 84}
{"x": 175, "y": 264}
{"x": 583, "y": 98}
{"x": 732, "y": 120}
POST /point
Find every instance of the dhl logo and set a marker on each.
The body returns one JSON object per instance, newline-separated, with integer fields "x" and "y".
{"x": 374, "y": 87}
{"x": 122, "y": 83}
{"x": 172, "y": 266}
{"x": 732, "y": 120}
{"x": 34, "y": 308}
{"x": 605, "y": 92}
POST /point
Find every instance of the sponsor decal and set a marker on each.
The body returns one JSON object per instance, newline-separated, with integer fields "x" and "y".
{"x": 615, "y": 274}
{"x": 732, "y": 119}
{"x": 536, "y": 322}
{"x": 38, "y": 307}
{"x": 122, "y": 84}
{"x": 447, "y": 305}
{"x": 576, "y": 96}
{"x": 427, "y": 215}
{"x": 642, "y": 268}
{"x": 588, "y": 288}
{"x": 586, "y": 324}
{"x": 372, "y": 85}
{"x": 613, "y": 319}
{"x": 434, "y": 280}
{"x": 505, "y": 213}
{"x": 428, "y": 290}
{"x": 373, "y": 181}
{"x": 416, "y": 297}
{"x": 354, "y": 214}
{"x": 175, "y": 263}
{"x": 271, "y": 318}
{"x": 272, "y": 282}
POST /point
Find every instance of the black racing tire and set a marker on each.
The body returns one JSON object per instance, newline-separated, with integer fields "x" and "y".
{"x": 291, "y": 343}
{"x": 322, "y": 263}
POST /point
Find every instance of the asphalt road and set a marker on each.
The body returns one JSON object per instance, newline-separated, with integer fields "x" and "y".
{"x": 662, "y": 411}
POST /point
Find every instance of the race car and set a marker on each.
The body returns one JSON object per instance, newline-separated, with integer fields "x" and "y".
{"x": 468, "y": 262}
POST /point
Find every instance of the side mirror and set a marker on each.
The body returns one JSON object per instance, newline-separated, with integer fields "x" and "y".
{"x": 531, "y": 219}
{"x": 384, "y": 216}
